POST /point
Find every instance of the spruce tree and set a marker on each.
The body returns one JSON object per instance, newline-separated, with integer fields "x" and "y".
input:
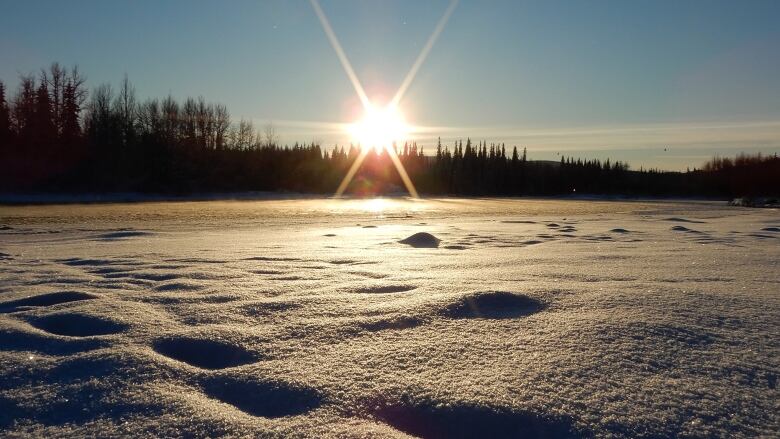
{"x": 71, "y": 129}
{"x": 45, "y": 132}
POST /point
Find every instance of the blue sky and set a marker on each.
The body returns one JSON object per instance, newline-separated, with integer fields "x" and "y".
{"x": 657, "y": 83}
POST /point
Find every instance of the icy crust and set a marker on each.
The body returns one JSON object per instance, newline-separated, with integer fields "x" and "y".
{"x": 526, "y": 319}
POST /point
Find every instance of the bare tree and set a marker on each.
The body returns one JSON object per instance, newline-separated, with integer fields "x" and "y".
{"x": 99, "y": 121}
{"x": 189, "y": 122}
{"x": 100, "y": 105}
{"x": 204, "y": 123}
{"x": 170, "y": 122}
{"x": 77, "y": 81}
{"x": 243, "y": 135}
{"x": 221, "y": 125}
{"x": 150, "y": 119}
{"x": 55, "y": 79}
{"x": 270, "y": 138}
{"x": 125, "y": 107}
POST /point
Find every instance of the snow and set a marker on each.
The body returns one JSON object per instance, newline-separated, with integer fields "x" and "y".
{"x": 279, "y": 318}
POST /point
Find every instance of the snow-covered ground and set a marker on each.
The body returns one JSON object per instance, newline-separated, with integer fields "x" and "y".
{"x": 516, "y": 318}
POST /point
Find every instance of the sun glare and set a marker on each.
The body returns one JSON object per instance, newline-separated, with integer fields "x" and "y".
{"x": 379, "y": 128}
{"x": 376, "y": 205}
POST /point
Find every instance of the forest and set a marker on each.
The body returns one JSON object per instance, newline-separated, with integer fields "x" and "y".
{"x": 58, "y": 136}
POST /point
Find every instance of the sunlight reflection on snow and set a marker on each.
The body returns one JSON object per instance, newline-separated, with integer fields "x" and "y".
{"x": 391, "y": 207}
{"x": 377, "y": 205}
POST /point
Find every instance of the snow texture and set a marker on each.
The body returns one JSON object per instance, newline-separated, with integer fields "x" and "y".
{"x": 390, "y": 318}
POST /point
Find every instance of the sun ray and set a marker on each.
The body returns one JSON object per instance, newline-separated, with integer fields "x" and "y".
{"x": 351, "y": 173}
{"x": 408, "y": 184}
{"x": 402, "y": 172}
{"x": 423, "y": 54}
{"x": 340, "y": 52}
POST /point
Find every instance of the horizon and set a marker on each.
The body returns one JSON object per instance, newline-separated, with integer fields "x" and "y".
{"x": 651, "y": 84}
{"x": 389, "y": 218}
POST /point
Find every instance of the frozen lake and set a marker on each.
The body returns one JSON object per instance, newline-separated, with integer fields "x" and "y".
{"x": 513, "y": 318}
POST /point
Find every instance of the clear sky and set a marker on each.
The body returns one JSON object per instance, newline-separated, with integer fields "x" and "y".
{"x": 657, "y": 83}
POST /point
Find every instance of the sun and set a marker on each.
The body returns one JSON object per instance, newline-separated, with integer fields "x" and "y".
{"x": 379, "y": 128}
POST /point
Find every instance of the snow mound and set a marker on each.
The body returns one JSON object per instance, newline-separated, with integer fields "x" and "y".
{"x": 122, "y": 234}
{"x": 270, "y": 259}
{"x": 202, "y": 353}
{"x": 16, "y": 340}
{"x": 683, "y": 220}
{"x": 46, "y": 300}
{"x": 493, "y": 305}
{"x": 177, "y": 286}
{"x": 344, "y": 262}
{"x": 80, "y": 262}
{"x": 441, "y": 420}
{"x": 385, "y": 288}
{"x": 684, "y": 229}
{"x": 421, "y": 240}
{"x": 77, "y": 325}
{"x": 268, "y": 399}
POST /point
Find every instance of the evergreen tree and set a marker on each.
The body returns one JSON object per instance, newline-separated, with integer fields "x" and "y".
{"x": 23, "y": 112}
{"x": 44, "y": 130}
{"x": 71, "y": 110}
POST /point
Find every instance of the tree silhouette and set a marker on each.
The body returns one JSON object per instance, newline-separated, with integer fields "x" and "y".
{"x": 5, "y": 120}
{"x": 55, "y": 136}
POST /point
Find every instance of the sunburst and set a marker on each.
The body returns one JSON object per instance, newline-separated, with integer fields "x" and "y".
{"x": 380, "y": 127}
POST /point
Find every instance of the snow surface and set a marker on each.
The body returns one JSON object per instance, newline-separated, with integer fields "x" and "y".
{"x": 312, "y": 318}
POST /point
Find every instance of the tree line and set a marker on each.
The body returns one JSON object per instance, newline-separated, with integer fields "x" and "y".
{"x": 58, "y": 136}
